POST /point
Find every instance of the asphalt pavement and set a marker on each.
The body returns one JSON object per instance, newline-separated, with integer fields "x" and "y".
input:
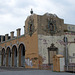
{"x": 32, "y": 72}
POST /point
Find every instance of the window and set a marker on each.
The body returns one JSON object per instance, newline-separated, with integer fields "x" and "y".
{"x": 30, "y": 27}
{"x": 74, "y": 54}
{"x": 51, "y": 27}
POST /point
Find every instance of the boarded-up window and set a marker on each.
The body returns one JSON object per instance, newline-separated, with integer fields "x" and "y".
{"x": 52, "y": 53}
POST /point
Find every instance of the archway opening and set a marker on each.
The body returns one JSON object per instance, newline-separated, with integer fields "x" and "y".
{"x": 3, "y": 57}
{"x": 21, "y": 55}
{"x": 8, "y": 57}
{"x": 14, "y": 56}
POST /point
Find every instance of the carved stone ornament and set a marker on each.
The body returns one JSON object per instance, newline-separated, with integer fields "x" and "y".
{"x": 52, "y": 47}
{"x": 31, "y": 27}
{"x": 51, "y": 26}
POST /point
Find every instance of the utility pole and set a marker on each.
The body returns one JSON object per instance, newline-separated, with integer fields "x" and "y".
{"x": 66, "y": 51}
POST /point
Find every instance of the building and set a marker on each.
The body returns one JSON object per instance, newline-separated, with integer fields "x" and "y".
{"x": 44, "y": 36}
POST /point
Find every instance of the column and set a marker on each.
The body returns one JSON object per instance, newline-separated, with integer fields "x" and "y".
{"x": 0, "y": 59}
{"x": 5, "y": 59}
{"x": 11, "y": 58}
{"x": 17, "y": 58}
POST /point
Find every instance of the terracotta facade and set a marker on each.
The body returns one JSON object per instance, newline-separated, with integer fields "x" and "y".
{"x": 30, "y": 50}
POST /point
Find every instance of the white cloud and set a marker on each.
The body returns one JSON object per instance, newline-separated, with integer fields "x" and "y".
{"x": 14, "y": 12}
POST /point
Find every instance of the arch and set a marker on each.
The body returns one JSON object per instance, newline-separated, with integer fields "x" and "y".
{"x": 14, "y": 45}
{"x": 21, "y": 54}
{"x": 3, "y": 57}
{"x": 8, "y": 56}
{"x": 14, "y": 56}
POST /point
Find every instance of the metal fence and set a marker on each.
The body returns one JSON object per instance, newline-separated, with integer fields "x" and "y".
{"x": 70, "y": 68}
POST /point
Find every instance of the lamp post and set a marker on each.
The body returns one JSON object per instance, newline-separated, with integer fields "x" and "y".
{"x": 66, "y": 51}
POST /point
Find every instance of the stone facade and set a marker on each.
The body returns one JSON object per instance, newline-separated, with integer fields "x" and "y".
{"x": 43, "y": 38}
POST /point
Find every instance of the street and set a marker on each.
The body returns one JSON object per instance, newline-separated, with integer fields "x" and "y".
{"x": 32, "y": 72}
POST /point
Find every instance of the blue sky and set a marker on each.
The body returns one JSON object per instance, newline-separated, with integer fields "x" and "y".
{"x": 13, "y": 13}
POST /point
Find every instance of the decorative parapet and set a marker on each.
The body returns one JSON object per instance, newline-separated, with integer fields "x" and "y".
{"x": 18, "y": 32}
{"x": 12, "y": 34}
